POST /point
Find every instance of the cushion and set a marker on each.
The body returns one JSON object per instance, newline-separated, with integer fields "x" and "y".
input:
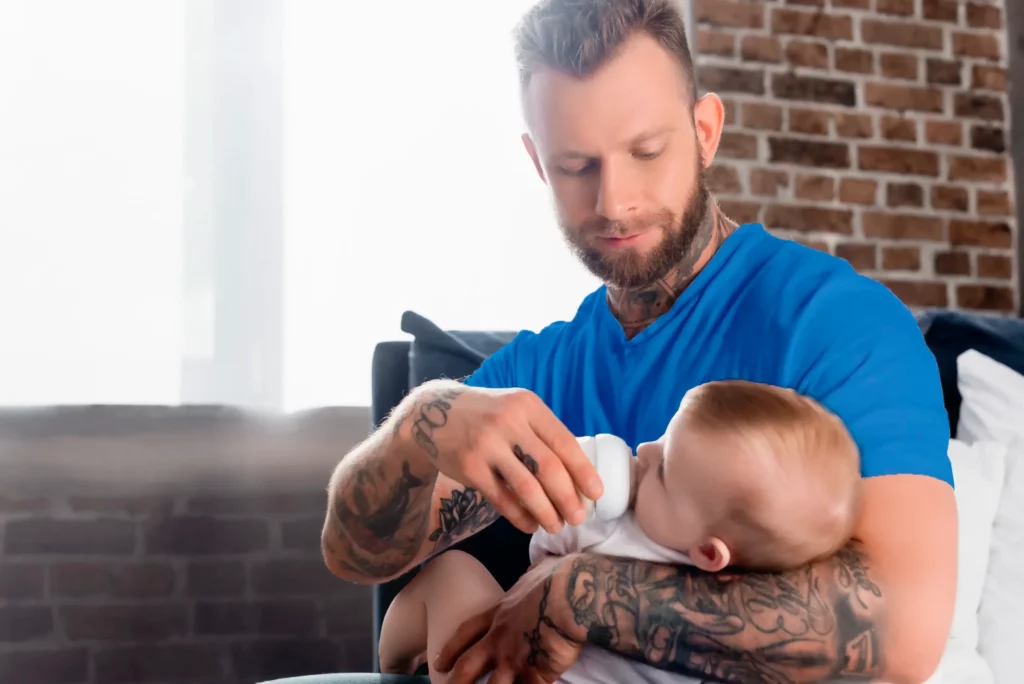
{"x": 992, "y": 410}
{"x": 454, "y": 354}
{"x": 978, "y": 472}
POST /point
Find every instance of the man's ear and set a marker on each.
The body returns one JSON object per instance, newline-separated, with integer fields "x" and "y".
{"x": 712, "y": 555}
{"x": 708, "y": 119}
{"x": 531, "y": 150}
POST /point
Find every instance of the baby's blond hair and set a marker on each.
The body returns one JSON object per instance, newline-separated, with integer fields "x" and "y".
{"x": 797, "y": 469}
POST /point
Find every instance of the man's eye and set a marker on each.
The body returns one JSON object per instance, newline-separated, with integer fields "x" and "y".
{"x": 576, "y": 170}
{"x": 644, "y": 154}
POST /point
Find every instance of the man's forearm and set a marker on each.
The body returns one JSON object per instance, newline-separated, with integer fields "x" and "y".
{"x": 819, "y": 623}
{"x": 379, "y": 499}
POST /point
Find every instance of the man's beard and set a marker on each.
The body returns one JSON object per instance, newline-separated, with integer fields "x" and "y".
{"x": 630, "y": 270}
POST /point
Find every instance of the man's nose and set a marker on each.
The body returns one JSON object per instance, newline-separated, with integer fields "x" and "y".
{"x": 617, "y": 197}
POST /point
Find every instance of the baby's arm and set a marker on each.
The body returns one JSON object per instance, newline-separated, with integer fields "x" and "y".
{"x": 448, "y": 591}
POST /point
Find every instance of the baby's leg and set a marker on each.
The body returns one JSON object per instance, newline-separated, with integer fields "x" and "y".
{"x": 448, "y": 591}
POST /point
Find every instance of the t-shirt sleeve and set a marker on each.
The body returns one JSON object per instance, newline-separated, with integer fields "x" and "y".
{"x": 858, "y": 351}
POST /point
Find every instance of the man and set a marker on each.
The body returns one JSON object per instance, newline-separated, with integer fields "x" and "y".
{"x": 618, "y": 134}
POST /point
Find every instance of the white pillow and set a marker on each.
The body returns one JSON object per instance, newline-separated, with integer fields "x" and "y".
{"x": 993, "y": 409}
{"x": 978, "y": 473}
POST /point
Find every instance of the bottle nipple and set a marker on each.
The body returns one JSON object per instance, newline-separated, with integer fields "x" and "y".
{"x": 613, "y": 460}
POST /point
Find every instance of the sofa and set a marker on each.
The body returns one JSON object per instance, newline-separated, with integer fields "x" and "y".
{"x": 980, "y": 360}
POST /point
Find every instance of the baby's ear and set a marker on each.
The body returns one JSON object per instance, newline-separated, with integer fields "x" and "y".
{"x": 712, "y": 555}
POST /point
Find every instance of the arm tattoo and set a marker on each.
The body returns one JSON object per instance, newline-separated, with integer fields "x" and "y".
{"x": 463, "y": 514}
{"x": 816, "y": 623}
{"x": 430, "y": 416}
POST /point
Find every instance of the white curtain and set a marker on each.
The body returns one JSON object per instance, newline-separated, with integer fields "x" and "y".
{"x": 403, "y": 185}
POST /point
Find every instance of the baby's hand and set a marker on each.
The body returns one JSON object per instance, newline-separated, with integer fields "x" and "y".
{"x": 403, "y": 666}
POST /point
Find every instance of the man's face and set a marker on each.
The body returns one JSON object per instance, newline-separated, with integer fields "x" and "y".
{"x": 624, "y": 154}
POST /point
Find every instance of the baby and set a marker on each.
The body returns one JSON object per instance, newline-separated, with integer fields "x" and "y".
{"x": 746, "y": 475}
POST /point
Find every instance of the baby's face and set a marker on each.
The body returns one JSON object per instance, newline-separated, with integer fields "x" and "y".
{"x": 677, "y": 486}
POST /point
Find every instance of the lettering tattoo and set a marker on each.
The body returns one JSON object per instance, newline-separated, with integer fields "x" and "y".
{"x": 429, "y": 416}
{"x": 817, "y": 623}
{"x": 526, "y": 459}
{"x": 462, "y": 514}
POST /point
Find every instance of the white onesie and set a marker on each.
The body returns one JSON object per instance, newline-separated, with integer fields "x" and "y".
{"x": 621, "y": 538}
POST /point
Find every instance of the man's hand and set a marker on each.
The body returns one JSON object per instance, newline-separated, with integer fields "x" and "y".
{"x": 508, "y": 446}
{"x": 517, "y": 640}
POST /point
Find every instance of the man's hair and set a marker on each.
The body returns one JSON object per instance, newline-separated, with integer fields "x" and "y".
{"x": 798, "y": 488}
{"x": 577, "y": 37}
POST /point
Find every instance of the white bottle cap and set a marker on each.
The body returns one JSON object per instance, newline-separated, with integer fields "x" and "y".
{"x": 613, "y": 459}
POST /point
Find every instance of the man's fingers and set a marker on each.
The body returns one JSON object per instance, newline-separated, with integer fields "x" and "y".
{"x": 564, "y": 445}
{"x": 528, "y": 489}
{"x": 468, "y": 633}
{"x": 474, "y": 664}
{"x": 507, "y": 503}
{"x": 550, "y": 471}
{"x": 502, "y": 675}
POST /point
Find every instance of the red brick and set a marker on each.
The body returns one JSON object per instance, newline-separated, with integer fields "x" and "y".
{"x": 24, "y": 623}
{"x": 731, "y": 111}
{"x": 984, "y": 298}
{"x": 722, "y": 180}
{"x": 809, "y": 219}
{"x": 23, "y": 504}
{"x": 984, "y": 16}
{"x": 898, "y": 128}
{"x": 988, "y": 138}
{"x": 899, "y": 160}
{"x": 943, "y": 72}
{"x": 862, "y": 256}
{"x": 298, "y": 577}
{"x": 905, "y": 195}
{"x": 902, "y": 226}
{"x": 729, "y": 13}
{"x": 901, "y": 34}
{"x": 982, "y": 169}
{"x": 93, "y": 537}
{"x": 802, "y": 53}
{"x": 142, "y": 622}
{"x": 201, "y": 535}
{"x": 133, "y": 506}
{"x": 146, "y": 580}
{"x": 897, "y": 7}
{"x": 764, "y": 117}
{"x": 819, "y": 245}
{"x": 904, "y": 98}
{"x": 761, "y": 49}
{"x": 731, "y": 80}
{"x": 978, "y": 106}
{"x": 918, "y": 293}
{"x": 815, "y": 188}
{"x": 980, "y": 234}
{"x": 941, "y": 10}
{"x": 252, "y": 661}
{"x": 809, "y": 121}
{"x": 949, "y": 198}
{"x": 45, "y": 666}
{"x": 952, "y": 263}
{"x": 767, "y": 182}
{"x": 984, "y": 77}
{"x": 817, "y": 24}
{"x": 995, "y": 266}
{"x": 944, "y": 132}
{"x": 812, "y": 89}
{"x": 854, "y": 125}
{"x": 809, "y": 153}
{"x": 854, "y": 60}
{"x": 716, "y": 43}
{"x": 740, "y": 211}
{"x": 20, "y": 581}
{"x": 976, "y": 45}
{"x": 851, "y": 4}
{"x": 270, "y": 504}
{"x": 737, "y": 146}
{"x": 185, "y": 662}
{"x": 901, "y": 258}
{"x": 304, "y": 535}
{"x": 994, "y": 203}
{"x": 857, "y": 191}
{"x": 899, "y": 65}
{"x": 216, "y": 578}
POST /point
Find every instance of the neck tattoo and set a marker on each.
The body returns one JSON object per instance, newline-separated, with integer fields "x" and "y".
{"x": 637, "y": 308}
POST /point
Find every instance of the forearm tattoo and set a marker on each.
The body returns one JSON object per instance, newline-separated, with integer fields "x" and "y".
{"x": 462, "y": 515}
{"x": 818, "y": 623}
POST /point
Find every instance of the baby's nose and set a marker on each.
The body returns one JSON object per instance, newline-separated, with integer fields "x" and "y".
{"x": 644, "y": 453}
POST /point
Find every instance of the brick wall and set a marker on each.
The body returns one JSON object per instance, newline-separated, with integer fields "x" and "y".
{"x": 875, "y": 130}
{"x": 176, "y": 551}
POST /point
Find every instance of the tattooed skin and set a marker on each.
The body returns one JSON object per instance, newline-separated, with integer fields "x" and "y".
{"x": 817, "y": 623}
{"x": 637, "y": 308}
{"x": 526, "y": 459}
{"x": 463, "y": 514}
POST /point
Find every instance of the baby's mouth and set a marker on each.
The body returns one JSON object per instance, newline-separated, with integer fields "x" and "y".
{"x": 634, "y": 481}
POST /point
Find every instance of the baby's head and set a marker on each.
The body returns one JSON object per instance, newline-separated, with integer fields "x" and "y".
{"x": 749, "y": 475}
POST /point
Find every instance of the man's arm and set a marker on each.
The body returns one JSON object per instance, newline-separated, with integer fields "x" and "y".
{"x": 879, "y": 610}
{"x": 388, "y": 507}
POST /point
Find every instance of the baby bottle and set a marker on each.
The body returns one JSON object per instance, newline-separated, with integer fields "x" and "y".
{"x": 613, "y": 460}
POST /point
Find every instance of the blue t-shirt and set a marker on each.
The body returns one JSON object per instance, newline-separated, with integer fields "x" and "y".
{"x": 763, "y": 309}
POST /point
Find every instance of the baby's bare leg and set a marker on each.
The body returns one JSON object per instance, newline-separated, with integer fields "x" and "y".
{"x": 448, "y": 591}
